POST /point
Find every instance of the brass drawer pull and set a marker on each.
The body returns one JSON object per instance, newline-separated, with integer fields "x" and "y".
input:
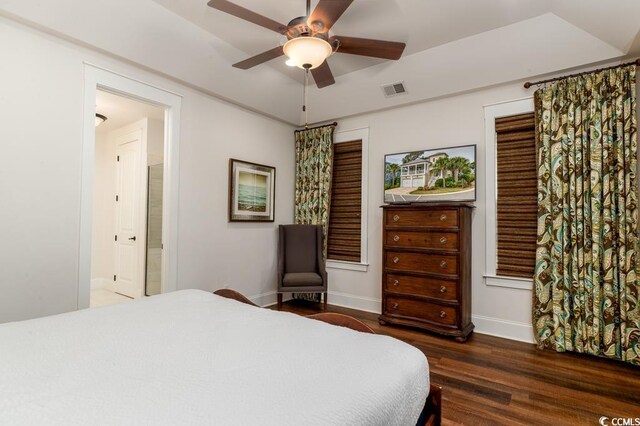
{"x": 443, "y": 217}
{"x": 443, "y": 314}
{"x": 443, "y": 264}
{"x": 395, "y": 306}
{"x": 396, "y": 259}
{"x": 396, "y": 283}
{"x": 443, "y": 289}
{"x": 396, "y": 218}
{"x": 443, "y": 240}
{"x": 396, "y": 238}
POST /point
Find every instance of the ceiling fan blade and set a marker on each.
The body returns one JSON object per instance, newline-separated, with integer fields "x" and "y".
{"x": 323, "y": 75}
{"x": 328, "y": 12}
{"x": 247, "y": 15}
{"x": 369, "y": 47}
{"x": 259, "y": 59}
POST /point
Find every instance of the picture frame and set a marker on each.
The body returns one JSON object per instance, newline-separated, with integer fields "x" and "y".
{"x": 252, "y": 189}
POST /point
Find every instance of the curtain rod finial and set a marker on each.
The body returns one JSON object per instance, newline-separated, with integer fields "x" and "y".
{"x": 527, "y": 85}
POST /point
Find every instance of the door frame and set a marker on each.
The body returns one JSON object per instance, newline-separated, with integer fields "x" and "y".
{"x": 95, "y": 78}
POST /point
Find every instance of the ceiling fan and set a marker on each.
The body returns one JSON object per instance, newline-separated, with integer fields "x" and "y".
{"x": 308, "y": 40}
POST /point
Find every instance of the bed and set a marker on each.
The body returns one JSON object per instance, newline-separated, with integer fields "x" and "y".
{"x": 192, "y": 357}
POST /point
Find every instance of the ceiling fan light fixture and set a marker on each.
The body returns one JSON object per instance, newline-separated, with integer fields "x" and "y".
{"x": 307, "y": 52}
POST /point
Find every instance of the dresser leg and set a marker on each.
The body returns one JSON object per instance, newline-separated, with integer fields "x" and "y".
{"x": 461, "y": 339}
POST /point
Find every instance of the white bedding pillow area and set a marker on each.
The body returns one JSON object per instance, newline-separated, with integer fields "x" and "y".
{"x": 191, "y": 358}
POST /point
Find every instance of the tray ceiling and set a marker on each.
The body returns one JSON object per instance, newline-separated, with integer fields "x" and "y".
{"x": 452, "y": 46}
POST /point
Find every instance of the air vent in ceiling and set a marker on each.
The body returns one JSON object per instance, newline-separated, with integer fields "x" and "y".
{"x": 394, "y": 89}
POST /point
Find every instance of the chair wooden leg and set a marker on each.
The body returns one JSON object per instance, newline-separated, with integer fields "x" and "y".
{"x": 325, "y": 301}
{"x": 279, "y": 301}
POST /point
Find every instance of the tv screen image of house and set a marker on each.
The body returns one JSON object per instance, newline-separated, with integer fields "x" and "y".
{"x": 434, "y": 175}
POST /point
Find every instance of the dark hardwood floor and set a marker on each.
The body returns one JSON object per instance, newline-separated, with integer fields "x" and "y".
{"x": 494, "y": 381}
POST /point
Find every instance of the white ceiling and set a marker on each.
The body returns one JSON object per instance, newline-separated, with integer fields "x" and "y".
{"x": 121, "y": 111}
{"x": 419, "y": 23}
{"x": 453, "y": 46}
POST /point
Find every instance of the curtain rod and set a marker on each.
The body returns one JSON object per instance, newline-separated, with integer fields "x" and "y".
{"x": 335, "y": 123}
{"x": 529, "y": 84}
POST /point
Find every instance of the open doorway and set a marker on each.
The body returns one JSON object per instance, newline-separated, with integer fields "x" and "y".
{"x": 128, "y": 194}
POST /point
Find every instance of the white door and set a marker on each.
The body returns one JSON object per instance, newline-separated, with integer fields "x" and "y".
{"x": 129, "y": 238}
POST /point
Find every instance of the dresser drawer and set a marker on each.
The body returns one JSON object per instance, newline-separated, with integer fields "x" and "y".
{"x": 419, "y": 262}
{"x": 422, "y": 218}
{"x": 431, "y": 240}
{"x": 433, "y": 312}
{"x": 419, "y": 286}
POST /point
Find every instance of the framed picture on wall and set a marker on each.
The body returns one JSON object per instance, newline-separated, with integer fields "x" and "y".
{"x": 252, "y": 190}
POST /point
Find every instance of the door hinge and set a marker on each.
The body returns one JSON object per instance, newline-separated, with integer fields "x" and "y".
{"x": 116, "y": 198}
{"x": 117, "y": 158}
{"x": 114, "y": 277}
{"x": 116, "y": 238}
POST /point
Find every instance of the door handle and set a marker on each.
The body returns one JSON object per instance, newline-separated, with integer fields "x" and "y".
{"x": 133, "y": 238}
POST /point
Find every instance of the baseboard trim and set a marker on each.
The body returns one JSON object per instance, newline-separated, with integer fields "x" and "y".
{"x": 98, "y": 283}
{"x": 360, "y": 303}
{"x": 264, "y": 299}
{"x": 506, "y": 329}
{"x": 512, "y": 330}
{"x": 343, "y": 300}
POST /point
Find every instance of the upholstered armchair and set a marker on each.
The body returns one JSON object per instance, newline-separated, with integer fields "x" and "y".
{"x": 301, "y": 265}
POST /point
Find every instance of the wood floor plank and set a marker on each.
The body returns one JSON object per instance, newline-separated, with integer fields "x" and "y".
{"x": 494, "y": 381}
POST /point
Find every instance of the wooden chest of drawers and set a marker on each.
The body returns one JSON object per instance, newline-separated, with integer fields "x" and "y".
{"x": 426, "y": 256}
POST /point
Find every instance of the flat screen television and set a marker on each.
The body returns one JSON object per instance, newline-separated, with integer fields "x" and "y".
{"x": 431, "y": 175}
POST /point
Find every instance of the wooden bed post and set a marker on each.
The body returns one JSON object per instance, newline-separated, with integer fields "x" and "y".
{"x": 433, "y": 407}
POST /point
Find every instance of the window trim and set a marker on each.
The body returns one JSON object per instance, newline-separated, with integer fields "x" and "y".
{"x": 347, "y": 136}
{"x": 491, "y": 112}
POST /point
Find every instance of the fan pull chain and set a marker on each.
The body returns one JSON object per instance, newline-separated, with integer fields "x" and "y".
{"x": 304, "y": 100}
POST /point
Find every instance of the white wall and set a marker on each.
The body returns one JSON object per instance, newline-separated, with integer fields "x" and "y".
{"x": 451, "y": 121}
{"x": 42, "y": 77}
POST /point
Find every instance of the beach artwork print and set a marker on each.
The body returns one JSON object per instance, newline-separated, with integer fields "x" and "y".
{"x": 447, "y": 174}
{"x": 251, "y": 191}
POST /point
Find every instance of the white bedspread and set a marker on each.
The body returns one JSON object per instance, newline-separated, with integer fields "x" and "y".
{"x": 190, "y": 357}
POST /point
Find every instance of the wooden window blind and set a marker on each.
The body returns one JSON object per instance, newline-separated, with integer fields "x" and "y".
{"x": 517, "y": 196}
{"x": 345, "y": 221}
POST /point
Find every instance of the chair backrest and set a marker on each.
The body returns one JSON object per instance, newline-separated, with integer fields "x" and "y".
{"x": 300, "y": 243}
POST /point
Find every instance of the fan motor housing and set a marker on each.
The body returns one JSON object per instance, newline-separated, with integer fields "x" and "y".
{"x": 298, "y": 27}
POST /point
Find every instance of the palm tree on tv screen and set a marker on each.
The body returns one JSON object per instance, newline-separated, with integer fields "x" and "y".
{"x": 459, "y": 165}
{"x": 442, "y": 166}
{"x": 393, "y": 171}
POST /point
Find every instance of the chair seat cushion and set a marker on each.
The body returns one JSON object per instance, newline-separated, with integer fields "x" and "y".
{"x": 297, "y": 279}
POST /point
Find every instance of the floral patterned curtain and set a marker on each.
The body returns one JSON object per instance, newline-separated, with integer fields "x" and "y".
{"x": 585, "y": 295}
{"x": 314, "y": 169}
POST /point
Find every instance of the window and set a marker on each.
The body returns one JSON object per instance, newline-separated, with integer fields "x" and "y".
{"x": 493, "y": 112}
{"x": 347, "y": 239}
{"x": 345, "y": 214}
{"x": 516, "y": 198}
